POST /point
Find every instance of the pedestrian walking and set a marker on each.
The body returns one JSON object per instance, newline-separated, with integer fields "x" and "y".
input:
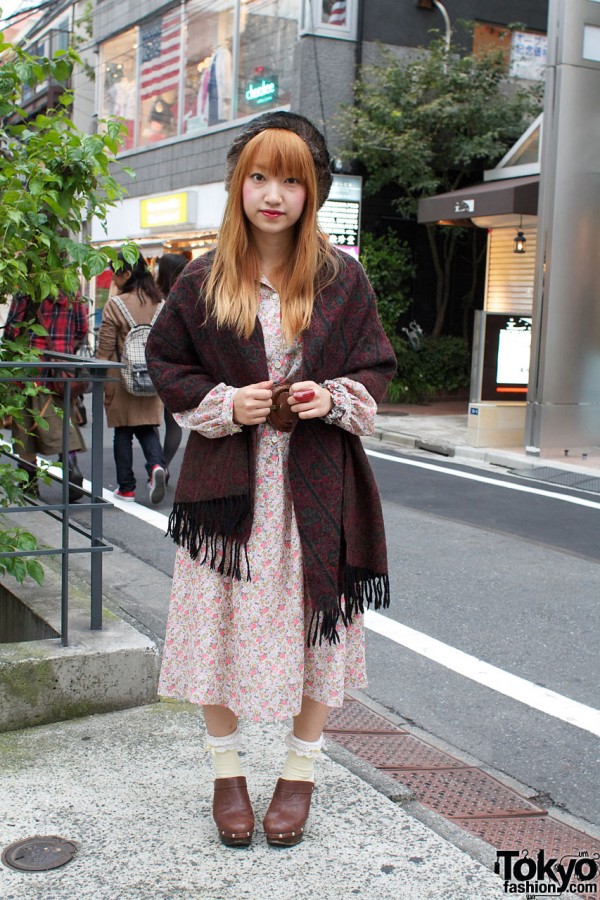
{"x": 65, "y": 320}
{"x": 130, "y": 415}
{"x": 169, "y": 267}
{"x": 270, "y": 351}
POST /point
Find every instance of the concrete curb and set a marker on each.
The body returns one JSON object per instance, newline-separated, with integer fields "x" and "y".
{"x": 485, "y": 456}
{"x": 41, "y": 681}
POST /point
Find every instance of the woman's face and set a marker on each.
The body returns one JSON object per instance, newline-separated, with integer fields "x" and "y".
{"x": 272, "y": 203}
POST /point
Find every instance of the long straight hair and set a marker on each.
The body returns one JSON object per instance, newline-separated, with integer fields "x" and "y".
{"x": 232, "y": 288}
{"x": 140, "y": 280}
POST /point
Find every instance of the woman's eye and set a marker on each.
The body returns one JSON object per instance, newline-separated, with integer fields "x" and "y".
{"x": 256, "y": 176}
{"x": 292, "y": 181}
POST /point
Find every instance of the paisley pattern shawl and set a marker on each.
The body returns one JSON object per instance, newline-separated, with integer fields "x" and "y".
{"x": 335, "y": 497}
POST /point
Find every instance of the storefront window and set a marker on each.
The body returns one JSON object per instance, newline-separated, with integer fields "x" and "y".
{"x": 209, "y": 64}
{"x": 174, "y": 75}
{"x": 119, "y": 94}
{"x": 159, "y": 68}
{"x": 268, "y": 31}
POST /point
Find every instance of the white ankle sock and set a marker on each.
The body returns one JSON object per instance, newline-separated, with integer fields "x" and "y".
{"x": 300, "y": 760}
{"x": 224, "y": 752}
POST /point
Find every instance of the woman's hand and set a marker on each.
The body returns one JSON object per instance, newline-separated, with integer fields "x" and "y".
{"x": 308, "y": 407}
{"x": 252, "y": 404}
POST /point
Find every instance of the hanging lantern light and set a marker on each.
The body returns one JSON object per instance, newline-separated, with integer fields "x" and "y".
{"x": 520, "y": 241}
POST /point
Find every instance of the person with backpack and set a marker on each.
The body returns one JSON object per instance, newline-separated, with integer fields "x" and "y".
{"x": 132, "y": 406}
{"x": 269, "y": 350}
{"x": 168, "y": 269}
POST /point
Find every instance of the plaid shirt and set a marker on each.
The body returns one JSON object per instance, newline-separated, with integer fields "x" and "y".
{"x": 65, "y": 320}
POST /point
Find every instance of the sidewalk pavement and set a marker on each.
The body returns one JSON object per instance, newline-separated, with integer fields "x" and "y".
{"x": 133, "y": 790}
{"x": 441, "y": 427}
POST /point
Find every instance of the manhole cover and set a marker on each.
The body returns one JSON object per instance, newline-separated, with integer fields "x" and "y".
{"x": 39, "y": 853}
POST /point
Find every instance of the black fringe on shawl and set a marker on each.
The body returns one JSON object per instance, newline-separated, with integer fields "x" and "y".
{"x": 211, "y": 525}
{"x": 361, "y": 587}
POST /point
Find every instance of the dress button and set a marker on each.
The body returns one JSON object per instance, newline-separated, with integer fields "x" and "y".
{"x": 277, "y": 364}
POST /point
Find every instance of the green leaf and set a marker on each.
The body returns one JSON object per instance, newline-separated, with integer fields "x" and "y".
{"x": 130, "y": 253}
{"x": 35, "y": 570}
{"x": 27, "y": 541}
{"x": 18, "y": 569}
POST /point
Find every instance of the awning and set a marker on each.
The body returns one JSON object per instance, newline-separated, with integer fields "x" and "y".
{"x": 493, "y": 198}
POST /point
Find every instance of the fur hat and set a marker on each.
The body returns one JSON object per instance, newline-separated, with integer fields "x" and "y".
{"x": 313, "y": 139}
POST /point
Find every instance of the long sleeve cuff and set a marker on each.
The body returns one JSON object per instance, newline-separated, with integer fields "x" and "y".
{"x": 213, "y": 417}
{"x": 354, "y": 409}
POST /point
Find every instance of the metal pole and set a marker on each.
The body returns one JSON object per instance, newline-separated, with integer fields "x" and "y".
{"x": 64, "y": 594}
{"x": 447, "y": 23}
{"x": 563, "y": 402}
{"x": 96, "y": 512}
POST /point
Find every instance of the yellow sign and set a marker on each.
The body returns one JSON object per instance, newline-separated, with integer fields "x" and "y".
{"x": 171, "y": 209}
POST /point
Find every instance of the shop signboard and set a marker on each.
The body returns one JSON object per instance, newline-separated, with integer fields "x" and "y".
{"x": 263, "y": 90}
{"x": 506, "y": 352}
{"x": 168, "y": 209}
{"x": 339, "y": 217}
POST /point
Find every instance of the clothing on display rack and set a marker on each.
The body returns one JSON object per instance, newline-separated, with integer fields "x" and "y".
{"x": 215, "y": 88}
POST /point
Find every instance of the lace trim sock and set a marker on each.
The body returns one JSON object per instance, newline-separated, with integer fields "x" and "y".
{"x": 299, "y": 763}
{"x": 224, "y": 753}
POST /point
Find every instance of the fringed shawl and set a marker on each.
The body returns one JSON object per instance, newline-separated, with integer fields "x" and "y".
{"x": 335, "y": 497}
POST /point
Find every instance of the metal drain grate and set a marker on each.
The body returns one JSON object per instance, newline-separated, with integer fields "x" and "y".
{"x": 394, "y": 751}
{"x": 557, "y": 839}
{"x": 356, "y": 717}
{"x": 577, "y": 480}
{"x": 465, "y": 792}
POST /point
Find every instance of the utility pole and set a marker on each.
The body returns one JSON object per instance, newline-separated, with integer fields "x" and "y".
{"x": 563, "y": 403}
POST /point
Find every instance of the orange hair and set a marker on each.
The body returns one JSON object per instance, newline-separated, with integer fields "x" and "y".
{"x": 232, "y": 288}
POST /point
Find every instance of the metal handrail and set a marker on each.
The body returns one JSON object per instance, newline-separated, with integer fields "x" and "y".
{"x": 97, "y": 372}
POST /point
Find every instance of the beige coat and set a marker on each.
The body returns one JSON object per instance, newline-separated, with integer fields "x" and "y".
{"x": 121, "y": 407}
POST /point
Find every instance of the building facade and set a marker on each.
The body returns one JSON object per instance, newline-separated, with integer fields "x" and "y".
{"x": 184, "y": 76}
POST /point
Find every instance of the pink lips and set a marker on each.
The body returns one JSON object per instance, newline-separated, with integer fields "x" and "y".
{"x": 271, "y": 213}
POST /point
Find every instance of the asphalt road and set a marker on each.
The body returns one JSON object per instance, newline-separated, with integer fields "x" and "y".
{"x": 513, "y": 579}
{"x": 508, "y": 576}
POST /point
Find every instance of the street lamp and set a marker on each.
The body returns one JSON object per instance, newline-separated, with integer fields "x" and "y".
{"x": 435, "y": 4}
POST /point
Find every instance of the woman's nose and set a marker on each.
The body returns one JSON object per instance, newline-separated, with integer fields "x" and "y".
{"x": 273, "y": 192}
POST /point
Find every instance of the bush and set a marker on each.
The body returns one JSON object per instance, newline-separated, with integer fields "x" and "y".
{"x": 441, "y": 365}
{"x": 390, "y": 268}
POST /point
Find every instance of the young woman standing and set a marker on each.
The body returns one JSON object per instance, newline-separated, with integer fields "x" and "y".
{"x": 271, "y": 352}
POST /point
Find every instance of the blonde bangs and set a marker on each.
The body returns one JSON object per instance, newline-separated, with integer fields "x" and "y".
{"x": 282, "y": 153}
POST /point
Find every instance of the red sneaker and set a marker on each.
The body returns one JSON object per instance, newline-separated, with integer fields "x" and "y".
{"x": 157, "y": 484}
{"x": 128, "y": 496}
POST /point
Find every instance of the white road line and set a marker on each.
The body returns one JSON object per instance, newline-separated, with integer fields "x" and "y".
{"x": 532, "y": 695}
{"x": 570, "y": 711}
{"x": 540, "y": 698}
{"x": 150, "y": 516}
{"x": 508, "y": 485}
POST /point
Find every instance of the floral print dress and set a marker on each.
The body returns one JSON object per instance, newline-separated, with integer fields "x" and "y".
{"x": 242, "y": 644}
